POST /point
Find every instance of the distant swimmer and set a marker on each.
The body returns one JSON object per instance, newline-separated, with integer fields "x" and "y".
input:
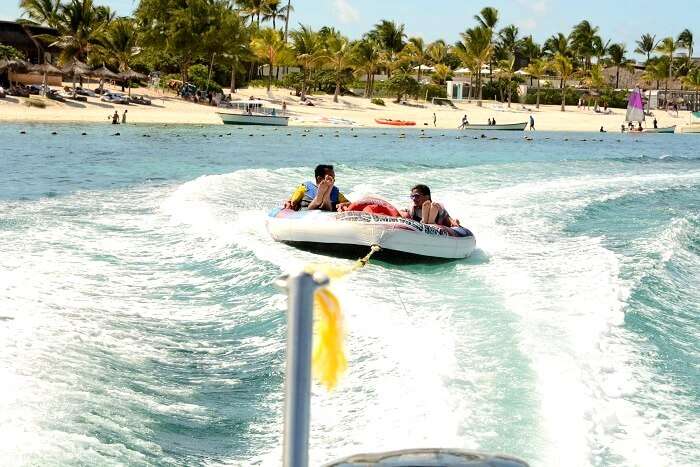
{"x": 602, "y": 130}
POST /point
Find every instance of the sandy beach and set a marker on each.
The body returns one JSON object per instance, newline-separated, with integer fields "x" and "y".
{"x": 349, "y": 111}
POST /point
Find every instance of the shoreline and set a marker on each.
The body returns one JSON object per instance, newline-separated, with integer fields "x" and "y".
{"x": 349, "y": 112}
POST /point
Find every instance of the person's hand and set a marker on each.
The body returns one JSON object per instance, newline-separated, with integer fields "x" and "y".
{"x": 455, "y": 222}
{"x": 342, "y": 207}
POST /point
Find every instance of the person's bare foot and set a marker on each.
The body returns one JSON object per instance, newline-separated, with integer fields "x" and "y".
{"x": 322, "y": 200}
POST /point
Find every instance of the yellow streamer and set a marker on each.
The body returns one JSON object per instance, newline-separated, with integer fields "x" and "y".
{"x": 328, "y": 359}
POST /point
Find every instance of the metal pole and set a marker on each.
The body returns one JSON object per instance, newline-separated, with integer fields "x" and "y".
{"x": 300, "y": 293}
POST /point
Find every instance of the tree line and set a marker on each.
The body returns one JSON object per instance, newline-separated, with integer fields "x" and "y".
{"x": 238, "y": 37}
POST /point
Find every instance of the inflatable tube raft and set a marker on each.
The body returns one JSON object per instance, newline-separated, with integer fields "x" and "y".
{"x": 353, "y": 232}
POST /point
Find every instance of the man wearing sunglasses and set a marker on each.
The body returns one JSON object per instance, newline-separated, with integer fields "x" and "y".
{"x": 425, "y": 211}
{"x": 323, "y": 194}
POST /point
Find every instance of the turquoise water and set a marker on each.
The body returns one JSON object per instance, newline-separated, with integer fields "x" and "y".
{"x": 140, "y": 323}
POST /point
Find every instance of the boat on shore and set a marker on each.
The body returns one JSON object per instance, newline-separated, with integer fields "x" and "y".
{"x": 388, "y": 121}
{"x": 667, "y": 129}
{"x": 500, "y": 126}
{"x": 252, "y": 113}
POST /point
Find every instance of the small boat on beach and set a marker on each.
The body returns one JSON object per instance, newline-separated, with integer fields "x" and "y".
{"x": 352, "y": 233}
{"x": 388, "y": 121}
{"x": 667, "y": 129}
{"x": 253, "y": 112}
{"x": 501, "y": 126}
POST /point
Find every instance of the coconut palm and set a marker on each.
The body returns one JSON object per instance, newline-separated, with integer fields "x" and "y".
{"x": 338, "y": 57}
{"x": 655, "y": 71}
{"x": 390, "y": 36}
{"x": 507, "y": 71}
{"x": 646, "y": 45}
{"x": 595, "y": 79}
{"x": 488, "y": 19}
{"x": 537, "y": 68}
{"x": 306, "y": 47}
{"x": 273, "y": 12}
{"x": 254, "y": 10}
{"x": 286, "y": 11}
{"x": 685, "y": 40}
{"x": 508, "y": 41}
{"x": 119, "y": 43}
{"x": 441, "y": 74}
{"x": 415, "y": 52}
{"x": 41, "y": 11}
{"x": 618, "y": 60}
{"x": 692, "y": 80}
{"x": 530, "y": 49}
{"x": 366, "y": 58}
{"x": 562, "y": 65}
{"x": 477, "y": 46}
{"x": 584, "y": 37}
{"x": 436, "y": 52}
{"x": 270, "y": 47}
{"x": 668, "y": 47}
{"x": 557, "y": 44}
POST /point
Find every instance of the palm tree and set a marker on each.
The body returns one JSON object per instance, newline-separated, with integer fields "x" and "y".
{"x": 119, "y": 42}
{"x": 692, "y": 80}
{"x": 286, "y": 11}
{"x": 79, "y": 27}
{"x": 436, "y": 52}
{"x": 306, "y": 46}
{"x": 478, "y": 48}
{"x": 557, "y": 44}
{"x": 668, "y": 46}
{"x": 584, "y": 37}
{"x": 273, "y": 12}
{"x": 685, "y": 40}
{"x": 41, "y": 11}
{"x": 507, "y": 71}
{"x": 618, "y": 59}
{"x": 537, "y": 68}
{"x": 269, "y": 46}
{"x": 508, "y": 41}
{"x": 390, "y": 36}
{"x": 646, "y": 45}
{"x": 488, "y": 19}
{"x": 366, "y": 57}
{"x": 441, "y": 74}
{"x": 254, "y": 10}
{"x": 595, "y": 79}
{"x": 415, "y": 51}
{"x": 338, "y": 54}
{"x": 654, "y": 71}
{"x": 562, "y": 65}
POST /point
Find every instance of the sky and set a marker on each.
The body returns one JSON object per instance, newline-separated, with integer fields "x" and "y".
{"x": 619, "y": 20}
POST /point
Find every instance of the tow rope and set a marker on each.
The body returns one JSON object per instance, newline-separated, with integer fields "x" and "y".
{"x": 328, "y": 358}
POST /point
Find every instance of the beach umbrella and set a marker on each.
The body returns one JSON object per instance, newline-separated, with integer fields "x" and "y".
{"x": 14, "y": 66}
{"x": 130, "y": 74}
{"x": 75, "y": 68}
{"x": 522, "y": 73}
{"x": 103, "y": 73}
{"x": 44, "y": 69}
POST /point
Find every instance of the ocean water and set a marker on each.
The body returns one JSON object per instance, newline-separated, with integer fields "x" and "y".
{"x": 140, "y": 323}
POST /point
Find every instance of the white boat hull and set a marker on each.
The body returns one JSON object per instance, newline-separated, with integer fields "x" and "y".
{"x": 246, "y": 119}
{"x": 360, "y": 229}
{"x": 668, "y": 129}
{"x": 505, "y": 126}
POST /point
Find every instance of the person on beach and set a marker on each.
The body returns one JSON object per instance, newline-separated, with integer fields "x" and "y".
{"x": 532, "y": 123}
{"x": 323, "y": 194}
{"x": 124, "y": 116}
{"x": 434, "y": 119}
{"x": 602, "y": 130}
{"x": 493, "y": 121}
{"x": 424, "y": 210}
{"x": 115, "y": 118}
{"x": 656, "y": 123}
{"x": 465, "y": 122}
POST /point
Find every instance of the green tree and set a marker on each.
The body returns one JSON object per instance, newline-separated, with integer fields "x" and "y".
{"x": 390, "y": 36}
{"x": 338, "y": 52}
{"x": 584, "y": 38}
{"x": 619, "y": 60}
{"x": 401, "y": 84}
{"x": 557, "y": 44}
{"x": 668, "y": 47}
{"x": 685, "y": 40}
{"x": 415, "y": 51}
{"x": 477, "y": 48}
{"x": 692, "y": 81}
{"x": 441, "y": 74}
{"x": 646, "y": 45}
{"x": 562, "y": 65}
{"x": 506, "y": 72}
{"x": 306, "y": 47}
{"x": 269, "y": 46}
{"x": 8, "y": 52}
{"x": 436, "y": 52}
{"x": 41, "y": 11}
{"x": 367, "y": 57}
{"x": 119, "y": 43}
{"x": 537, "y": 68}
{"x": 488, "y": 19}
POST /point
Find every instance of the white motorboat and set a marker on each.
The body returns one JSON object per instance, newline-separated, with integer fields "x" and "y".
{"x": 504, "y": 126}
{"x": 252, "y": 112}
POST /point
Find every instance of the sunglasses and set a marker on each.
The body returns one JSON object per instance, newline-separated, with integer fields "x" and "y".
{"x": 414, "y": 196}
